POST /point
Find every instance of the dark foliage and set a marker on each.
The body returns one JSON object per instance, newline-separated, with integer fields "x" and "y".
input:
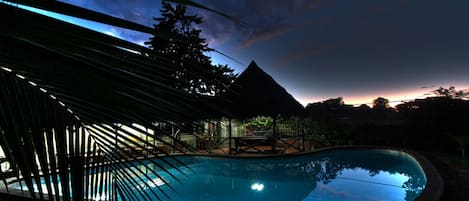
{"x": 432, "y": 121}
{"x": 176, "y": 41}
{"x": 433, "y": 124}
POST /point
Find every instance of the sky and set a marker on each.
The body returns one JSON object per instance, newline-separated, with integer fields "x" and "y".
{"x": 321, "y": 49}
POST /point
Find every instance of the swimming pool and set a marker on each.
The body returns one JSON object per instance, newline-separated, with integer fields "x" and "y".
{"x": 343, "y": 174}
{"x": 330, "y": 175}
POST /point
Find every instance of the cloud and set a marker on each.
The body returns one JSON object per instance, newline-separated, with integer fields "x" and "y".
{"x": 265, "y": 34}
{"x": 388, "y": 8}
{"x": 265, "y": 20}
{"x": 216, "y": 30}
{"x": 428, "y": 87}
{"x": 303, "y": 55}
{"x": 313, "y": 4}
{"x": 279, "y": 30}
{"x": 138, "y": 11}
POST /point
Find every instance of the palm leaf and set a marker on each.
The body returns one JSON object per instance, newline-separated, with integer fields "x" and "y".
{"x": 75, "y": 11}
{"x": 198, "y": 5}
{"x": 81, "y": 80}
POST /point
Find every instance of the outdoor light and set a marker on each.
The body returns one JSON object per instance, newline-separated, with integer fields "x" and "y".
{"x": 20, "y": 76}
{"x": 257, "y": 187}
{"x": 156, "y": 181}
{"x": 6, "y": 69}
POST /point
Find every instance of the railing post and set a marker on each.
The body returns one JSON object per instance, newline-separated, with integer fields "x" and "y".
{"x": 274, "y": 130}
{"x": 229, "y": 136}
{"x": 303, "y": 135}
{"x": 173, "y": 140}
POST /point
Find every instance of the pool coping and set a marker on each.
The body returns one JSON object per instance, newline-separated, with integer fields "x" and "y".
{"x": 434, "y": 187}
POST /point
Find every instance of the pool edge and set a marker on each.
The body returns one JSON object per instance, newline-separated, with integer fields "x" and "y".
{"x": 434, "y": 187}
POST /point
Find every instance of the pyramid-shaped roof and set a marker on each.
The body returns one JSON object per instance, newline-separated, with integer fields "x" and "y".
{"x": 255, "y": 93}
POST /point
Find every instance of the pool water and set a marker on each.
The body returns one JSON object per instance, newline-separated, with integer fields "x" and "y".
{"x": 349, "y": 174}
{"x": 343, "y": 174}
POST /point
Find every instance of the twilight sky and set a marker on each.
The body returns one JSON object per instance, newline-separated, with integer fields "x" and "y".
{"x": 320, "y": 49}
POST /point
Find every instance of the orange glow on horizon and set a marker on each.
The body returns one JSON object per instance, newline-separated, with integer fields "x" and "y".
{"x": 394, "y": 97}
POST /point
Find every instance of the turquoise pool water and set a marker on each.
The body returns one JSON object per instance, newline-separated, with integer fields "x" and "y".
{"x": 343, "y": 174}
{"x": 330, "y": 175}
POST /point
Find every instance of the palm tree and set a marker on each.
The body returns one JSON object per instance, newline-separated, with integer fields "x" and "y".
{"x": 66, "y": 93}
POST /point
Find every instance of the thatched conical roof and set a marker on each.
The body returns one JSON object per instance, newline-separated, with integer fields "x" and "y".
{"x": 255, "y": 93}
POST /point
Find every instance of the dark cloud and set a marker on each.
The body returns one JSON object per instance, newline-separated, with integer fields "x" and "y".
{"x": 313, "y": 4}
{"x": 303, "y": 54}
{"x": 265, "y": 20}
{"x": 387, "y": 8}
{"x": 139, "y": 11}
{"x": 266, "y": 34}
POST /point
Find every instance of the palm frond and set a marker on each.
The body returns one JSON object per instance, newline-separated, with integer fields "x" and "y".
{"x": 83, "y": 13}
{"x": 64, "y": 89}
{"x": 198, "y": 5}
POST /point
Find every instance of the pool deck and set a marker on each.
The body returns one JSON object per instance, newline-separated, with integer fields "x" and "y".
{"x": 455, "y": 176}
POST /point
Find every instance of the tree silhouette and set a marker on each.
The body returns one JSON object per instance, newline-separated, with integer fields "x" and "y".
{"x": 432, "y": 121}
{"x": 176, "y": 41}
{"x": 451, "y": 92}
{"x": 380, "y": 103}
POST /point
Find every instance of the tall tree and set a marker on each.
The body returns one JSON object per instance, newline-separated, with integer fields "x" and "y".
{"x": 176, "y": 41}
